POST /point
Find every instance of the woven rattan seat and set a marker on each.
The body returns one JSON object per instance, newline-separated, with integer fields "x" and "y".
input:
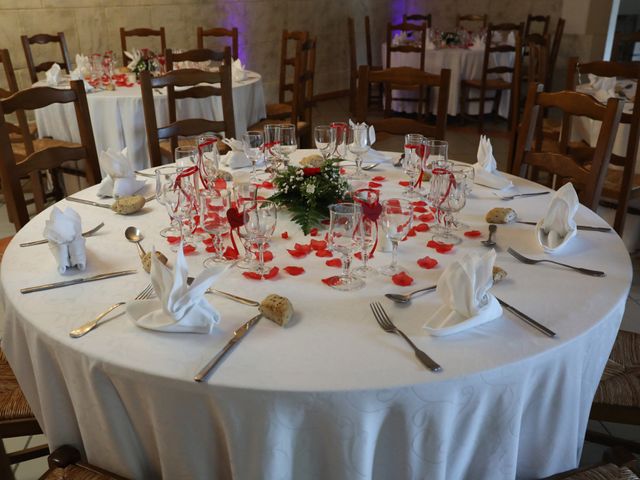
{"x": 13, "y": 405}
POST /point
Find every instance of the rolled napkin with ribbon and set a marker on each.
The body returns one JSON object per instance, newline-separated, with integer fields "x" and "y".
{"x": 64, "y": 232}
{"x": 464, "y": 290}
{"x": 54, "y": 76}
{"x": 558, "y": 226}
{"x": 486, "y": 170}
{"x": 236, "y": 158}
{"x": 604, "y": 88}
{"x": 179, "y": 308}
{"x": 121, "y": 178}
{"x": 238, "y": 72}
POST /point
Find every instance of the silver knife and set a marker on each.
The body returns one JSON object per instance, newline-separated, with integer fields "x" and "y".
{"x": 527, "y": 319}
{"x": 237, "y": 336}
{"x": 75, "y": 281}
{"x": 88, "y": 233}
{"x": 587, "y": 228}
{"x": 88, "y": 202}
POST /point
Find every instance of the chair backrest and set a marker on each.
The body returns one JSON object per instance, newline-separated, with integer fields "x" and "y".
{"x": 481, "y": 19}
{"x": 538, "y": 47}
{"x": 304, "y": 82}
{"x": 181, "y": 84}
{"x": 367, "y": 36}
{"x": 289, "y": 56}
{"x": 553, "y": 53}
{"x": 561, "y": 164}
{"x": 219, "y": 32}
{"x": 626, "y": 70}
{"x": 353, "y": 62}
{"x": 65, "y": 463}
{"x": 532, "y": 24}
{"x": 22, "y": 128}
{"x": 142, "y": 32}
{"x": 399, "y": 77}
{"x": 43, "y": 39}
{"x": 623, "y": 45}
{"x": 417, "y": 17}
{"x": 416, "y": 45}
{"x": 197, "y": 56}
{"x": 48, "y": 158}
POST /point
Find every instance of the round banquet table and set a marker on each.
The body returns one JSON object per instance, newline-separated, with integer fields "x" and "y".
{"x": 117, "y": 116}
{"x": 331, "y": 395}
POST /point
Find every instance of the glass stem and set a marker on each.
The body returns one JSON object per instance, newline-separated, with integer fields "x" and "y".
{"x": 253, "y": 168}
{"x": 365, "y": 257}
{"x": 217, "y": 239}
{"x": 358, "y": 164}
{"x": 261, "y": 258}
{"x": 394, "y": 254}
{"x": 181, "y": 227}
{"x": 346, "y": 266}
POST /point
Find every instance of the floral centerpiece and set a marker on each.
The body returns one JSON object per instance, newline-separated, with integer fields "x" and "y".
{"x": 307, "y": 192}
{"x": 450, "y": 39}
{"x": 141, "y": 60}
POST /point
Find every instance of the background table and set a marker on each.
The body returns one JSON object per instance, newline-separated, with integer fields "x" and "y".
{"x": 117, "y": 116}
{"x": 332, "y": 395}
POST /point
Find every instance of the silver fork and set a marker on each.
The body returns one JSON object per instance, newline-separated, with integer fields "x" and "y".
{"x": 511, "y": 197}
{"x": 531, "y": 261}
{"x": 87, "y": 327}
{"x": 387, "y": 325}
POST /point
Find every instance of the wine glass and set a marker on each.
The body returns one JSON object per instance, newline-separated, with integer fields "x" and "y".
{"x": 412, "y": 161}
{"x": 287, "y": 142}
{"x": 396, "y": 219}
{"x": 253, "y": 144}
{"x": 260, "y": 222}
{"x": 165, "y": 179}
{"x": 366, "y": 235}
{"x": 246, "y": 196}
{"x": 180, "y": 201}
{"x": 209, "y": 158}
{"x": 469, "y": 175}
{"x": 345, "y": 220}
{"x": 358, "y": 143}
{"x": 435, "y": 158}
{"x": 341, "y": 139}
{"x": 449, "y": 192}
{"x": 325, "y": 138}
{"x": 186, "y": 156}
{"x": 213, "y": 215}
{"x": 270, "y": 148}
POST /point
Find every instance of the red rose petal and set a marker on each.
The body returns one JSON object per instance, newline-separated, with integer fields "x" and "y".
{"x": 412, "y": 233}
{"x": 326, "y": 221}
{"x": 427, "y": 262}
{"x": 173, "y": 240}
{"x": 358, "y": 255}
{"x": 331, "y": 281}
{"x": 334, "y": 262}
{"x": 473, "y": 233}
{"x": 295, "y": 271}
{"x": 252, "y": 275}
{"x": 297, "y": 253}
{"x": 419, "y": 203}
{"x": 420, "y": 209}
{"x": 324, "y": 253}
{"x": 426, "y": 217}
{"x": 342, "y": 172}
{"x": 231, "y": 253}
{"x": 318, "y": 245}
{"x": 313, "y": 232}
{"x": 285, "y": 235}
{"x": 266, "y": 184}
{"x": 421, "y": 227}
{"x": 267, "y": 255}
{"x": 271, "y": 273}
{"x": 379, "y": 178}
{"x": 440, "y": 247}
{"x": 374, "y": 185}
{"x": 303, "y": 248}
{"x": 402, "y": 279}
{"x": 220, "y": 184}
{"x": 208, "y": 241}
{"x": 211, "y": 249}
{"x": 199, "y": 231}
{"x": 188, "y": 249}
{"x": 404, "y": 183}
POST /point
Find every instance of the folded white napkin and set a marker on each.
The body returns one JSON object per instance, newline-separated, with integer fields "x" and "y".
{"x": 236, "y": 158}
{"x": 134, "y": 56}
{"x": 477, "y": 42}
{"x": 121, "y": 178}
{"x": 83, "y": 64}
{"x": 64, "y": 232}
{"x": 429, "y": 45}
{"x": 238, "y": 71}
{"x": 399, "y": 39}
{"x": 604, "y": 88}
{"x": 78, "y": 75}
{"x": 511, "y": 38}
{"x": 485, "y": 170}
{"x": 558, "y": 226}
{"x": 53, "y": 75}
{"x": 464, "y": 290}
{"x": 179, "y": 307}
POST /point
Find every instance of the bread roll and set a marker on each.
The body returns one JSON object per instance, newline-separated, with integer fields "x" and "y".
{"x": 501, "y": 215}
{"x": 146, "y": 260}
{"x": 498, "y": 274}
{"x": 313, "y": 160}
{"x": 277, "y": 309}
{"x": 128, "y": 205}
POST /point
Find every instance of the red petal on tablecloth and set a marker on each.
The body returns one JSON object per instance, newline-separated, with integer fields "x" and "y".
{"x": 271, "y": 273}
{"x": 412, "y": 233}
{"x": 334, "y": 262}
{"x": 421, "y": 227}
{"x": 440, "y": 247}
{"x": 358, "y": 255}
{"x": 402, "y": 279}
{"x": 295, "y": 271}
{"x": 297, "y": 253}
{"x": 211, "y": 249}
{"x": 404, "y": 183}
{"x": 301, "y": 247}
{"x": 318, "y": 244}
{"x": 220, "y": 184}
{"x": 420, "y": 209}
{"x": 379, "y": 178}
{"x": 266, "y": 184}
{"x": 285, "y": 235}
{"x": 342, "y": 172}
{"x": 324, "y": 253}
{"x": 427, "y": 262}
{"x": 173, "y": 240}
{"x": 313, "y": 232}
{"x": 230, "y": 253}
{"x": 374, "y": 185}
{"x": 426, "y": 217}
{"x": 473, "y": 233}
{"x": 267, "y": 255}
{"x": 207, "y": 241}
{"x": 419, "y": 203}
{"x": 331, "y": 281}
{"x": 189, "y": 249}
{"x": 199, "y": 231}
{"x": 326, "y": 221}
{"x": 252, "y": 275}
{"x": 394, "y": 202}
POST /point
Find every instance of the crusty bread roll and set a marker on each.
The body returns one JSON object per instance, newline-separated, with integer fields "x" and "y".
{"x": 501, "y": 215}
{"x": 146, "y": 260}
{"x": 313, "y": 160}
{"x": 128, "y": 205}
{"x": 277, "y": 309}
{"x": 223, "y": 148}
{"x": 498, "y": 274}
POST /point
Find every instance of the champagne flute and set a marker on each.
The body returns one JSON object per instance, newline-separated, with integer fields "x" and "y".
{"x": 253, "y": 143}
{"x": 165, "y": 179}
{"x": 358, "y": 143}
{"x": 435, "y": 158}
{"x": 396, "y": 218}
{"x": 260, "y": 222}
{"x": 469, "y": 175}
{"x": 325, "y": 138}
{"x": 246, "y": 195}
{"x": 213, "y": 214}
{"x": 270, "y": 148}
{"x": 412, "y": 161}
{"x": 449, "y": 191}
{"x": 180, "y": 201}
{"x": 209, "y": 158}
{"x": 287, "y": 142}
{"x": 341, "y": 139}
{"x": 366, "y": 235}
{"x": 345, "y": 220}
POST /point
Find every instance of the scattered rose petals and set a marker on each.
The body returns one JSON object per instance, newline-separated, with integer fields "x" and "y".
{"x": 427, "y": 262}
{"x": 267, "y": 255}
{"x": 331, "y": 281}
{"x": 188, "y": 249}
{"x": 404, "y": 183}
{"x": 303, "y": 248}
{"x": 473, "y": 233}
{"x": 358, "y": 255}
{"x": 252, "y": 275}
{"x": 318, "y": 245}
{"x": 271, "y": 273}
{"x": 266, "y": 184}
{"x": 324, "y": 253}
{"x": 285, "y": 235}
{"x": 208, "y": 241}
{"x": 411, "y": 233}
{"x": 220, "y": 184}
{"x": 440, "y": 247}
{"x": 334, "y": 262}
{"x": 379, "y": 178}
{"x": 374, "y": 185}
{"x": 426, "y": 217}
{"x": 420, "y": 209}
{"x": 211, "y": 249}
{"x": 297, "y": 253}
{"x": 199, "y": 231}
{"x": 172, "y": 240}
{"x": 402, "y": 279}
{"x": 256, "y": 276}
{"x": 419, "y": 203}
{"x": 231, "y": 253}
{"x": 295, "y": 271}
{"x": 421, "y": 227}
{"x": 313, "y": 232}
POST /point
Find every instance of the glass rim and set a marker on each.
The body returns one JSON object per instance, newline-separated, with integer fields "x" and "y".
{"x": 432, "y": 142}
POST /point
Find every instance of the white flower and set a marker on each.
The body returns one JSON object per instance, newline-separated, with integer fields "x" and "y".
{"x": 311, "y": 188}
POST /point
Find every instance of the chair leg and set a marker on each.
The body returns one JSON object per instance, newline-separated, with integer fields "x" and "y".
{"x": 5, "y": 464}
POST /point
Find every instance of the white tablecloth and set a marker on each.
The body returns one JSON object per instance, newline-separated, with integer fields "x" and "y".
{"x": 332, "y": 395}
{"x": 117, "y": 116}
{"x": 465, "y": 64}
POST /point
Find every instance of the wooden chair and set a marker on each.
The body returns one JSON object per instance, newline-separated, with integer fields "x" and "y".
{"x": 353, "y": 64}
{"x": 192, "y": 79}
{"x": 43, "y": 39}
{"x": 623, "y": 44}
{"x": 617, "y": 464}
{"x": 48, "y": 158}
{"x": 220, "y": 33}
{"x": 561, "y": 164}
{"x": 482, "y": 19}
{"x": 553, "y": 54}
{"x": 417, "y": 17}
{"x": 401, "y": 76}
{"x": 141, "y": 32}
{"x": 621, "y": 183}
{"x": 198, "y": 55}
{"x": 532, "y": 21}
{"x": 410, "y": 29}
{"x": 65, "y": 464}
{"x": 16, "y": 417}
{"x": 488, "y": 81}
{"x": 538, "y": 53}
{"x": 375, "y": 94}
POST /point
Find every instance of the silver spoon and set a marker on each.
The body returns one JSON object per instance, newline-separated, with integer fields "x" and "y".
{"x": 490, "y": 242}
{"x": 134, "y": 235}
{"x": 404, "y": 298}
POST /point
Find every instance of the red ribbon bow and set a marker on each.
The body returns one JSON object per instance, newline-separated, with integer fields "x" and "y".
{"x": 369, "y": 201}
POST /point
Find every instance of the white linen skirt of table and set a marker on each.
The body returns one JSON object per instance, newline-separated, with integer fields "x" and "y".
{"x": 117, "y": 116}
{"x": 331, "y": 396}
{"x": 465, "y": 64}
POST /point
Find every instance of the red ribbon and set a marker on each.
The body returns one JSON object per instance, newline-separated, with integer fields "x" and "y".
{"x": 236, "y": 220}
{"x": 421, "y": 150}
{"x": 187, "y": 172}
{"x": 268, "y": 146}
{"x": 452, "y": 183}
{"x": 371, "y": 209}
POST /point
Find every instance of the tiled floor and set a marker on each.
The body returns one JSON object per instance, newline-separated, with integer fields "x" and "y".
{"x": 463, "y": 144}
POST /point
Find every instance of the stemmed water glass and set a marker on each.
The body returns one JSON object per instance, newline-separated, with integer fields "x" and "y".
{"x": 260, "y": 222}
{"x": 396, "y": 219}
{"x": 325, "y": 138}
{"x": 341, "y": 139}
{"x": 287, "y": 142}
{"x": 469, "y": 175}
{"x": 246, "y": 196}
{"x": 449, "y": 192}
{"x": 186, "y": 156}
{"x": 358, "y": 143}
{"x": 253, "y": 144}
{"x": 435, "y": 159}
{"x": 165, "y": 179}
{"x": 213, "y": 212}
{"x": 367, "y": 233}
{"x": 270, "y": 148}
{"x": 180, "y": 201}
{"x": 345, "y": 220}
{"x": 412, "y": 161}
{"x": 209, "y": 158}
